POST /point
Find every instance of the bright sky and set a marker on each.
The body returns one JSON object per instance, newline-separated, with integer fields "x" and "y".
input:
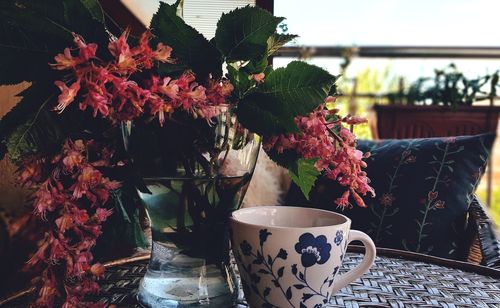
{"x": 393, "y": 22}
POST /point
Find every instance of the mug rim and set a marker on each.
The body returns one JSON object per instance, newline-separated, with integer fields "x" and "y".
{"x": 347, "y": 220}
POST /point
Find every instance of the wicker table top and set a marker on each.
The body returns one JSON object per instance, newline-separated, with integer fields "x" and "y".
{"x": 398, "y": 279}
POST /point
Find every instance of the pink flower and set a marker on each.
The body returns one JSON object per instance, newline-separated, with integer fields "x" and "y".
{"x": 95, "y": 230}
{"x": 87, "y": 242}
{"x": 330, "y": 99}
{"x": 104, "y": 188}
{"x": 82, "y": 263}
{"x": 99, "y": 100}
{"x": 87, "y": 52}
{"x": 343, "y": 201}
{"x": 41, "y": 252}
{"x": 226, "y": 88}
{"x": 102, "y": 214}
{"x": 207, "y": 112}
{"x": 71, "y": 302}
{"x": 80, "y": 216}
{"x": 67, "y": 94}
{"x": 64, "y": 222}
{"x": 217, "y": 92}
{"x": 44, "y": 202}
{"x": 259, "y": 77}
{"x": 323, "y": 138}
{"x": 132, "y": 100}
{"x": 164, "y": 109}
{"x": 347, "y": 135}
{"x": 32, "y": 172}
{"x": 143, "y": 53}
{"x": 73, "y": 159}
{"x": 119, "y": 48}
{"x": 163, "y": 53}
{"x": 69, "y": 221}
{"x": 47, "y": 293}
{"x": 88, "y": 178}
{"x": 169, "y": 88}
{"x": 185, "y": 80}
{"x": 195, "y": 93}
{"x": 357, "y": 198}
{"x": 64, "y": 61}
{"x": 355, "y": 120}
{"x": 57, "y": 251}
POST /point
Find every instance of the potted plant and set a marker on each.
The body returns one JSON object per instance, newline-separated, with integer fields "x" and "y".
{"x": 439, "y": 106}
{"x": 113, "y": 122}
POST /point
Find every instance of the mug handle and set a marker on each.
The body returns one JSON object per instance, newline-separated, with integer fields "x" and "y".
{"x": 363, "y": 267}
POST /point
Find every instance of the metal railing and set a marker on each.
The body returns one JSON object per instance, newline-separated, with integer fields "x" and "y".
{"x": 391, "y": 52}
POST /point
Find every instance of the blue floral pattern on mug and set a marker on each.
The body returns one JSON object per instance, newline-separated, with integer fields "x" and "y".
{"x": 246, "y": 249}
{"x": 263, "y": 234}
{"x": 339, "y": 237}
{"x": 314, "y": 250}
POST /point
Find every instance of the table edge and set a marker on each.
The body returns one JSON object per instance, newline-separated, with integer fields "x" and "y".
{"x": 385, "y": 252}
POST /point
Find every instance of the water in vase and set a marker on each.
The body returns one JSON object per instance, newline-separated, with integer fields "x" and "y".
{"x": 189, "y": 263}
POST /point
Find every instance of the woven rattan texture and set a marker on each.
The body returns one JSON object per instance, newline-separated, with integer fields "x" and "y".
{"x": 391, "y": 282}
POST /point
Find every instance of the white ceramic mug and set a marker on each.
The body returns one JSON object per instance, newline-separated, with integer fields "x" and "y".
{"x": 290, "y": 256}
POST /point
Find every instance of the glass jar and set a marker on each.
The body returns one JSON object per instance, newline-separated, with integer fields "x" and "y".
{"x": 194, "y": 173}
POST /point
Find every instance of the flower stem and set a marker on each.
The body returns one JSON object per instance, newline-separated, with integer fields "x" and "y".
{"x": 335, "y": 135}
{"x": 270, "y": 268}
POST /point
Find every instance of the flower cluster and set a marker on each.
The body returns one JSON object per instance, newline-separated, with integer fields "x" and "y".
{"x": 323, "y": 137}
{"x": 70, "y": 196}
{"x": 70, "y": 190}
{"x": 115, "y": 89}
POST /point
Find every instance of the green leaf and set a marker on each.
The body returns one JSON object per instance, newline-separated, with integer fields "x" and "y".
{"x": 189, "y": 46}
{"x": 27, "y": 43}
{"x": 286, "y": 93}
{"x": 301, "y": 86}
{"x": 86, "y": 18}
{"x": 33, "y": 32}
{"x": 242, "y": 34}
{"x": 38, "y": 134}
{"x": 265, "y": 115}
{"x": 304, "y": 174}
{"x": 35, "y": 100}
{"x": 94, "y": 9}
{"x": 240, "y": 80}
{"x": 255, "y": 67}
{"x": 276, "y": 41}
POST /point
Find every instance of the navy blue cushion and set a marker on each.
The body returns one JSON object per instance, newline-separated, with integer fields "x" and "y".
{"x": 424, "y": 188}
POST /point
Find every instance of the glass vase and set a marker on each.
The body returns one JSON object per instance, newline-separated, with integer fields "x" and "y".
{"x": 194, "y": 173}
